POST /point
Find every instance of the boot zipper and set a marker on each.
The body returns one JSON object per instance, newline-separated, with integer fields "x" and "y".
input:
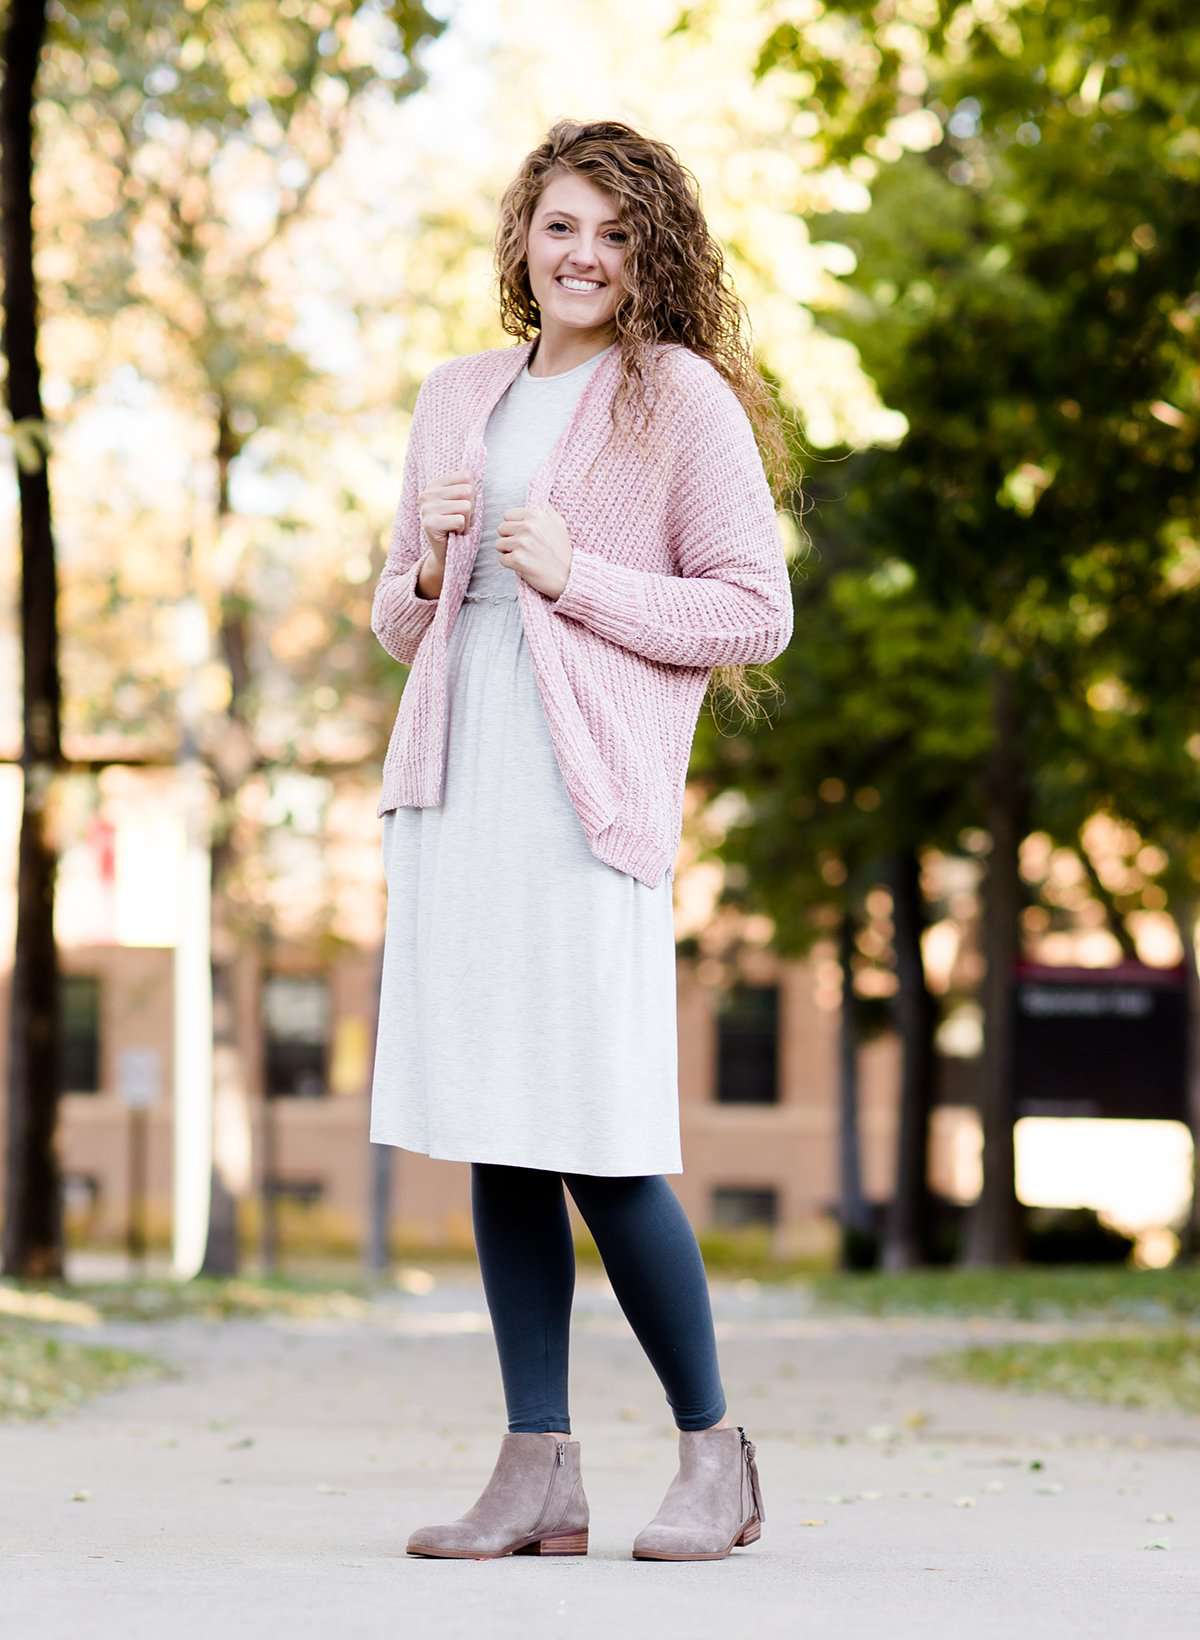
{"x": 559, "y": 1460}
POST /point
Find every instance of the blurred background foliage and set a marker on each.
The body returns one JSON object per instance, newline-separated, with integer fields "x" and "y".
{"x": 967, "y": 241}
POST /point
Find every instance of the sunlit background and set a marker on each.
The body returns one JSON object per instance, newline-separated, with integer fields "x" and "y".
{"x": 230, "y": 387}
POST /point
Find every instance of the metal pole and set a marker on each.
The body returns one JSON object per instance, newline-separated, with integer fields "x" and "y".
{"x": 136, "y": 1229}
{"x": 379, "y": 1192}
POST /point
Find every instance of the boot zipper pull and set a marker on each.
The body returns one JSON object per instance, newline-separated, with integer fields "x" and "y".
{"x": 562, "y": 1447}
{"x": 752, "y": 1467}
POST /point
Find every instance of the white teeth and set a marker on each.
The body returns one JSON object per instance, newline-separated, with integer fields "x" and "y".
{"x": 580, "y": 284}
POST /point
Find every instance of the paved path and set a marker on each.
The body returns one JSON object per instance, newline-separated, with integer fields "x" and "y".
{"x": 270, "y": 1491}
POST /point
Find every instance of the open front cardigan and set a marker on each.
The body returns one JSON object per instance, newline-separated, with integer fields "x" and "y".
{"x": 676, "y": 567}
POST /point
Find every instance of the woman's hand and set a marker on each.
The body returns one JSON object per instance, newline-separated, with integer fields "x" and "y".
{"x": 534, "y": 542}
{"x": 446, "y": 506}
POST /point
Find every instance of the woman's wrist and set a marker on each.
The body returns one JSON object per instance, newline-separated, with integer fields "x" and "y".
{"x": 429, "y": 577}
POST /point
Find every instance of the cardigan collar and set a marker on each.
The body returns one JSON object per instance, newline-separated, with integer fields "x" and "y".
{"x": 505, "y": 365}
{"x": 509, "y": 362}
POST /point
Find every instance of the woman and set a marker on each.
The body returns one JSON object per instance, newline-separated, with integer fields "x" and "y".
{"x": 567, "y": 569}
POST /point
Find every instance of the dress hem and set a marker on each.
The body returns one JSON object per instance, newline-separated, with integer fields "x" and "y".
{"x": 508, "y": 1161}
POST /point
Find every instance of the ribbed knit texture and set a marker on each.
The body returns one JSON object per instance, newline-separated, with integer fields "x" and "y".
{"x": 677, "y": 566}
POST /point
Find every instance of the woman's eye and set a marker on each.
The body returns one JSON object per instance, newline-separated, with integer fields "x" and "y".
{"x": 613, "y": 232}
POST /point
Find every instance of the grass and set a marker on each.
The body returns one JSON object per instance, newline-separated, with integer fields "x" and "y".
{"x": 41, "y": 1375}
{"x": 1030, "y": 1292}
{"x": 211, "y": 1298}
{"x": 1158, "y": 1371}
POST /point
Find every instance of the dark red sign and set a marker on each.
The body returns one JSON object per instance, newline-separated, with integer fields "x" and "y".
{"x": 1100, "y": 1041}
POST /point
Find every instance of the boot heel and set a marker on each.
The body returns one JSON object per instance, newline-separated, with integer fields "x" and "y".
{"x": 751, "y": 1532}
{"x": 571, "y": 1543}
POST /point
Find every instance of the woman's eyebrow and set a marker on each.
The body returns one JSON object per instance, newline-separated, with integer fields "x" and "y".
{"x": 612, "y": 219}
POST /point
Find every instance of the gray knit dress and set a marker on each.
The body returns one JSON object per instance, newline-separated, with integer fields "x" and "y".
{"x": 527, "y": 1004}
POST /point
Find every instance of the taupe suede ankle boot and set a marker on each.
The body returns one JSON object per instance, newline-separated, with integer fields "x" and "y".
{"x": 533, "y": 1504}
{"x": 713, "y": 1504}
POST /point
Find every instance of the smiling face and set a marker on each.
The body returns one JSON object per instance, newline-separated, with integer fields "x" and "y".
{"x": 575, "y": 248}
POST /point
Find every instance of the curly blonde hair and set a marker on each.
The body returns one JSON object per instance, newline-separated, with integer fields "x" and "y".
{"x": 676, "y": 289}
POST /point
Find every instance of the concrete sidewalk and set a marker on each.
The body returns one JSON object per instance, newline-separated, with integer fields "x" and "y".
{"x": 270, "y": 1492}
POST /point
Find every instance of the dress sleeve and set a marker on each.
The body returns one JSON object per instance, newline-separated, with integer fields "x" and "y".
{"x": 400, "y": 617}
{"x": 731, "y": 601}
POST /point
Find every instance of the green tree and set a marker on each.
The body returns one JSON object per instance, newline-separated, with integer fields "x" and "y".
{"x": 869, "y": 763}
{"x": 1024, "y": 292}
{"x": 184, "y": 114}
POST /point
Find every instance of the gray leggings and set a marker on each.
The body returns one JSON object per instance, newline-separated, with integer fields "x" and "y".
{"x": 650, "y": 1254}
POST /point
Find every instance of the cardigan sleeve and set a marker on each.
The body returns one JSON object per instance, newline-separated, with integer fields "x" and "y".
{"x": 731, "y": 602}
{"x": 400, "y": 616}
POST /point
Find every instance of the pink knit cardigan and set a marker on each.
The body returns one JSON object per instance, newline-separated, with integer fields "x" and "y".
{"x": 677, "y": 566}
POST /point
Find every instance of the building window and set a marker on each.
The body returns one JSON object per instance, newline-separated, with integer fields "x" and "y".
{"x": 748, "y": 1046}
{"x": 296, "y": 1029}
{"x": 79, "y": 1024}
{"x": 81, "y": 1195}
{"x": 305, "y": 1192}
{"x": 736, "y": 1207}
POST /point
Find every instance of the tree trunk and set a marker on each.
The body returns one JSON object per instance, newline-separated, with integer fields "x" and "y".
{"x": 1116, "y": 921}
{"x": 230, "y": 1144}
{"x": 231, "y": 755}
{"x": 33, "y": 1234}
{"x": 993, "y": 1226}
{"x": 1185, "y": 914}
{"x": 855, "y": 1222}
{"x": 908, "y": 1241}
